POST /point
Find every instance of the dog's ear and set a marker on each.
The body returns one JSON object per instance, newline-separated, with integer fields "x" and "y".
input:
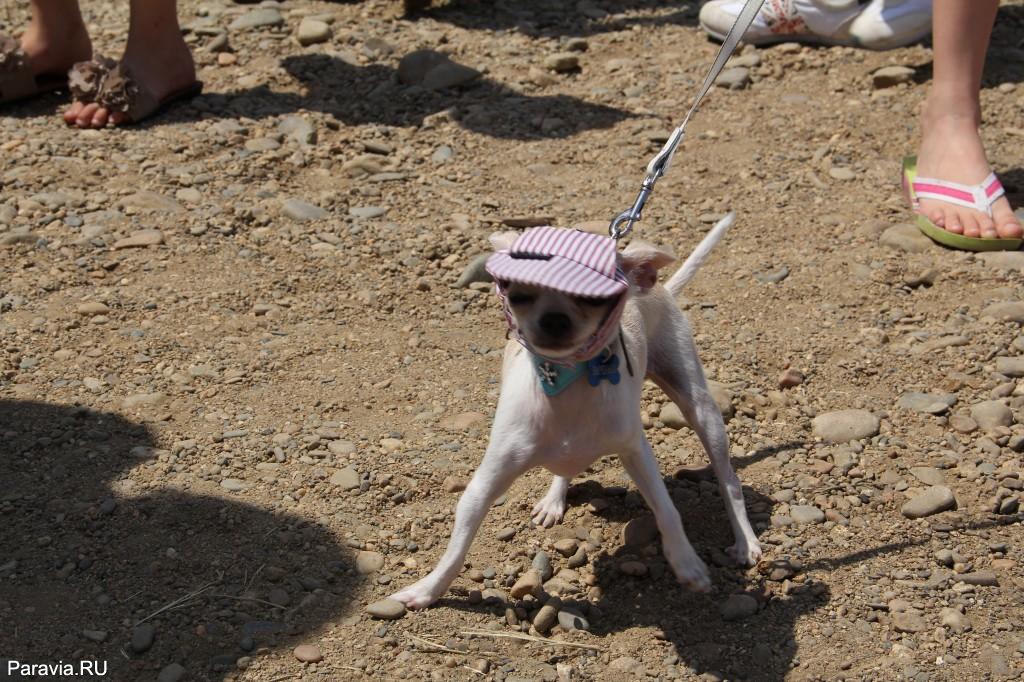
{"x": 641, "y": 262}
{"x": 502, "y": 241}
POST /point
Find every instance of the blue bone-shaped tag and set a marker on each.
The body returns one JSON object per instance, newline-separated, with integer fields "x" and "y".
{"x": 604, "y": 366}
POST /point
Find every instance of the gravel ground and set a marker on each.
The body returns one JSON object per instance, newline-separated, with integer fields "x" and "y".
{"x": 246, "y": 361}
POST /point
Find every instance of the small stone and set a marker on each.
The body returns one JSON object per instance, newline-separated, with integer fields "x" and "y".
{"x": 298, "y": 129}
{"x": 627, "y": 665}
{"x": 367, "y": 212}
{"x": 991, "y": 414}
{"x": 346, "y": 479}
{"x": 566, "y": 547}
{"x": 528, "y": 583}
{"x": 843, "y": 426}
{"x": 1011, "y": 367}
{"x": 542, "y": 564}
{"x": 937, "y": 498}
{"x": 342, "y": 448}
{"x": 929, "y": 403}
{"x": 172, "y": 673}
{"x": 640, "y": 532}
{"x": 985, "y": 578}
{"x": 505, "y": 534}
{"x": 140, "y": 238}
{"x": 461, "y": 422}
{"x": 475, "y": 271}
{"x": 928, "y": 475}
{"x": 908, "y": 621}
{"x": 142, "y": 637}
{"x": 734, "y": 78}
{"x": 386, "y": 609}
{"x": 672, "y": 417}
{"x": 1005, "y": 310}
{"x": 906, "y": 237}
{"x": 434, "y": 70}
{"x": 92, "y": 308}
{"x": 235, "y": 485}
{"x": 369, "y": 562}
{"x": 262, "y": 17}
{"x": 572, "y": 620}
{"x": 547, "y": 615}
{"x": 888, "y": 76}
{"x": 562, "y": 62}
{"x": 308, "y": 653}
{"x": 955, "y": 620}
{"x": 963, "y": 424}
{"x": 738, "y": 607}
{"x": 633, "y": 568}
{"x": 790, "y": 378}
{"x": 95, "y": 635}
{"x": 452, "y": 484}
{"x": 805, "y": 513}
{"x": 841, "y": 173}
{"x": 302, "y": 211}
{"x": 312, "y": 31}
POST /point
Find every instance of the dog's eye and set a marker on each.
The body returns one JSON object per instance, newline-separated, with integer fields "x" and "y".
{"x": 596, "y": 302}
{"x": 520, "y": 299}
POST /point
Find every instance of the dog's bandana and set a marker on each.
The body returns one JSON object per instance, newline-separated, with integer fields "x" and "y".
{"x": 571, "y": 261}
{"x": 555, "y": 378}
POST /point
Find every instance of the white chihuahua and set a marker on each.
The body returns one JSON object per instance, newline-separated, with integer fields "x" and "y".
{"x": 547, "y": 418}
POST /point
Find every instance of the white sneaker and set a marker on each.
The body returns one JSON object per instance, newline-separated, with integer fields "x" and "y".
{"x": 873, "y": 24}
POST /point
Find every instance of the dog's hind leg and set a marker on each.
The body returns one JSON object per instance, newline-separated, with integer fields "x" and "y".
{"x": 675, "y": 368}
{"x": 494, "y": 475}
{"x": 642, "y": 467}
{"x": 551, "y": 508}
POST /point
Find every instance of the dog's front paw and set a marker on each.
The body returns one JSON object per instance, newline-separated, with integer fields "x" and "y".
{"x": 549, "y": 510}
{"x": 690, "y": 570}
{"x": 745, "y": 552}
{"x": 417, "y": 596}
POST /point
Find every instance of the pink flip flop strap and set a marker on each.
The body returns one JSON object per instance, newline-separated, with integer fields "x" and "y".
{"x": 980, "y": 197}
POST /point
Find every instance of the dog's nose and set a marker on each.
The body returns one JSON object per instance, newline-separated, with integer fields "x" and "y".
{"x": 555, "y": 324}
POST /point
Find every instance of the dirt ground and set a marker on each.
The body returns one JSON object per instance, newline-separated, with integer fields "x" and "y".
{"x": 241, "y": 381}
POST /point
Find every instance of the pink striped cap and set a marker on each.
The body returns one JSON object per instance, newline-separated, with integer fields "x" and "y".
{"x": 571, "y": 261}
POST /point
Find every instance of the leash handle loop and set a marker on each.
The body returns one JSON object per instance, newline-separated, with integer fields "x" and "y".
{"x": 659, "y": 165}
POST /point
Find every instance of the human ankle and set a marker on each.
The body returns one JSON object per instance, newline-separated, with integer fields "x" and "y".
{"x": 943, "y": 107}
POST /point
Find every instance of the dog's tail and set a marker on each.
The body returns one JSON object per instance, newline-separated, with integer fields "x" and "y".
{"x": 676, "y": 283}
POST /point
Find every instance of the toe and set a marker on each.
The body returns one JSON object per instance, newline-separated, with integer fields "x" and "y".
{"x": 938, "y": 216}
{"x": 85, "y": 114}
{"x": 100, "y": 118}
{"x": 987, "y": 227}
{"x": 72, "y": 112}
{"x": 954, "y": 225}
{"x": 969, "y": 221}
{"x": 118, "y": 118}
{"x": 1007, "y": 224}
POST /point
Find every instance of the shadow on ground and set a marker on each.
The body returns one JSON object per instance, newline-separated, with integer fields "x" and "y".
{"x": 360, "y": 95}
{"x": 86, "y": 553}
{"x": 540, "y": 19}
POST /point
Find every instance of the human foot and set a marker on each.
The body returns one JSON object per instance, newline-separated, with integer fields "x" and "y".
{"x": 53, "y": 45}
{"x": 951, "y": 150}
{"x": 161, "y": 66}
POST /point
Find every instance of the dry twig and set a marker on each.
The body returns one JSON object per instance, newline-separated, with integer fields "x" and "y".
{"x": 530, "y": 638}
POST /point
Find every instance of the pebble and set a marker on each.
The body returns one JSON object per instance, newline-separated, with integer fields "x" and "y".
{"x": 937, "y": 498}
{"x": 790, "y": 378}
{"x": 572, "y": 620}
{"x": 955, "y": 620}
{"x": 640, "y": 531}
{"x": 633, "y": 568}
{"x": 985, "y": 578}
{"x": 262, "y": 17}
{"x": 738, "y": 607}
{"x": 95, "y": 635}
{"x": 92, "y": 308}
{"x": 888, "y": 76}
{"x": 505, "y": 534}
{"x": 475, "y": 271}
{"x": 562, "y": 62}
{"x": 906, "y": 237}
{"x": 311, "y": 31}
{"x": 843, "y": 426}
{"x": 142, "y": 638}
{"x": 542, "y": 564}
{"x": 386, "y": 609}
{"x": 805, "y": 513}
{"x": 734, "y": 78}
{"x": 963, "y": 424}
{"x": 235, "y": 485}
{"x": 140, "y": 238}
{"x": 302, "y": 211}
{"x": 928, "y": 475}
{"x": 434, "y": 71}
{"x": 991, "y": 414}
{"x": 1011, "y": 367}
{"x": 461, "y": 422}
{"x": 346, "y": 479}
{"x": 547, "y": 615}
{"x": 452, "y": 484}
{"x": 841, "y": 173}
{"x": 672, "y": 417}
{"x": 929, "y": 403}
{"x": 367, "y": 212}
{"x": 298, "y": 129}
{"x": 369, "y": 562}
{"x": 566, "y": 546}
{"x": 528, "y": 583}
{"x": 908, "y": 621}
{"x": 1006, "y": 310}
{"x": 627, "y": 665}
{"x": 172, "y": 673}
{"x": 308, "y": 653}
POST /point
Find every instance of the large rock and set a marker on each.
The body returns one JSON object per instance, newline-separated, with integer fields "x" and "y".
{"x": 843, "y": 426}
{"x": 935, "y": 499}
{"x": 990, "y": 414}
{"x": 434, "y": 70}
{"x": 906, "y": 237}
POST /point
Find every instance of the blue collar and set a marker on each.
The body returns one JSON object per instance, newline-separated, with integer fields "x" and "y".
{"x": 556, "y": 378}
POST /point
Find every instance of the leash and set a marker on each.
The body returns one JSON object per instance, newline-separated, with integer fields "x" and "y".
{"x": 659, "y": 165}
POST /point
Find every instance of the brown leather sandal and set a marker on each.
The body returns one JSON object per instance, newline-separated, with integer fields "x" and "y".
{"x": 17, "y": 81}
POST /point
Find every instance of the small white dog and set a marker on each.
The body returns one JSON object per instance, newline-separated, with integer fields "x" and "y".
{"x": 546, "y": 417}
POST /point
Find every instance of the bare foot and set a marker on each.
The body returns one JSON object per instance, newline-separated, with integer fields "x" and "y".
{"x": 53, "y": 46}
{"x": 951, "y": 150}
{"x": 161, "y": 63}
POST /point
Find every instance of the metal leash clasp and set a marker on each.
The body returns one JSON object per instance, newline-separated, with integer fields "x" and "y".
{"x": 623, "y": 223}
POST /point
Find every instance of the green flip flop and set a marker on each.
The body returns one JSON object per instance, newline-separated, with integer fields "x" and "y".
{"x": 978, "y": 197}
